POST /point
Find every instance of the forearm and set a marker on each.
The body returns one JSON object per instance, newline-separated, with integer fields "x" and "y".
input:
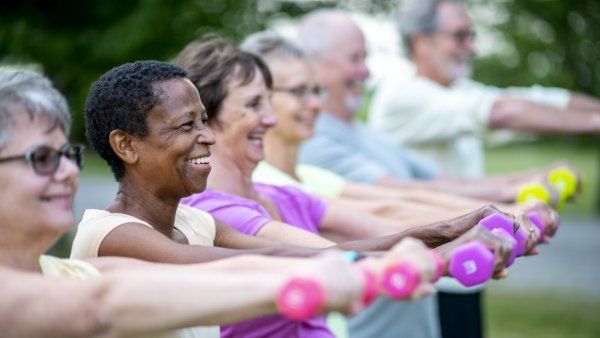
{"x": 427, "y": 190}
{"x": 521, "y": 114}
{"x": 218, "y": 298}
{"x": 135, "y": 302}
{"x": 432, "y": 235}
{"x": 584, "y": 102}
{"x": 387, "y": 207}
{"x": 426, "y": 233}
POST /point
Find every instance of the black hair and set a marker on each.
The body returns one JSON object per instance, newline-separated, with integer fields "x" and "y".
{"x": 121, "y": 99}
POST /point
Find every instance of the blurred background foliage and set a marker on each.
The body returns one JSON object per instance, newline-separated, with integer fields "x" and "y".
{"x": 550, "y": 42}
{"x": 520, "y": 42}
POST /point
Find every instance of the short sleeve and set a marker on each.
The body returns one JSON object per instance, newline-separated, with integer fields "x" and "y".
{"x": 243, "y": 215}
{"x": 315, "y": 206}
{"x": 197, "y": 225}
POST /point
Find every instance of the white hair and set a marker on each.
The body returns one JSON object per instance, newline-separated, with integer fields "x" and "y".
{"x": 268, "y": 44}
{"x": 317, "y": 30}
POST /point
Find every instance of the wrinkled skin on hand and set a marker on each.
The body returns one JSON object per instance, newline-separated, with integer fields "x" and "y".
{"x": 501, "y": 247}
{"x": 456, "y": 227}
{"x": 548, "y": 215}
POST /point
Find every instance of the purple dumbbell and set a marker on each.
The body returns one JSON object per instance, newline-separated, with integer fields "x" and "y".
{"x": 502, "y": 233}
{"x": 471, "y": 263}
{"x": 494, "y": 221}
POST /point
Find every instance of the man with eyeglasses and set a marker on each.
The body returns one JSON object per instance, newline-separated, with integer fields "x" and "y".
{"x": 443, "y": 115}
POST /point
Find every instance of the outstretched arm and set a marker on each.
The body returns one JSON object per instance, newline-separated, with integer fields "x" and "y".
{"x": 134, "y": 297}
{"x": 512, "y": 112}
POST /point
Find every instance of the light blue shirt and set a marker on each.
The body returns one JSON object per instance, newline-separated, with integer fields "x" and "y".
{"x": 361, "y": 154}
{"x": 364, "y": 155}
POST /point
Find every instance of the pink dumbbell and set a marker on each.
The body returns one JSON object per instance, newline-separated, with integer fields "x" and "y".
{"x": 494, "y": 221}
{"x": 302, "y": 298}
{"x": 370, "y": 291}
{"x": 400, "y": 280}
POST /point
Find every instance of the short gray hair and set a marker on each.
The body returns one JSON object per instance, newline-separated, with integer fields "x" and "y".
{"x": 35, "y": 94}
{"x": 316, "y": 30}
{"x": 418, "y": 16}
{"x": 268, "y": 44}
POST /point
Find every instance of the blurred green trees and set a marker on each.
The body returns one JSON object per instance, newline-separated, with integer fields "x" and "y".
{"x": 551, "y": 42}
{"x": 76, "y": 41}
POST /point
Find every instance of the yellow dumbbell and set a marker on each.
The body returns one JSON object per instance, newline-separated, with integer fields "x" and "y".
{"x": 565, "y": 181}
{"x": 533, "y": 192}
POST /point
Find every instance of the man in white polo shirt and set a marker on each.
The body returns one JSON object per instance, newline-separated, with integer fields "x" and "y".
{"x": 442, "y": 114}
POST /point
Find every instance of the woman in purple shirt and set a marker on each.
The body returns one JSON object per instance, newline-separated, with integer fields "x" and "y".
{"x": 235, "y": 90}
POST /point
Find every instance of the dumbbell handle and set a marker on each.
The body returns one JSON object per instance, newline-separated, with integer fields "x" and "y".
{"x": 302, "y": 298}
{"x": 400, "y": 280}
{"x": 496, "y": 220}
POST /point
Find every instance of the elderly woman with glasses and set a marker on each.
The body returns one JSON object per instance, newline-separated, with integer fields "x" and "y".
{"x": 119, "y": 297}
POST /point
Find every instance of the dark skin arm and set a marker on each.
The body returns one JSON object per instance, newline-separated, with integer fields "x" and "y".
{"x": 139, "y": 241}
{"x": 432, "y": 235}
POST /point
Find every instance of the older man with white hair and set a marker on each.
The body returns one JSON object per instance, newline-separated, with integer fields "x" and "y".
{"x": 443, "y": 115}
{"x": 338, "y": 49}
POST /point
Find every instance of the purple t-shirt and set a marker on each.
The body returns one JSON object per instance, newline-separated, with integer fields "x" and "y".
{"x": 296, "y": 208}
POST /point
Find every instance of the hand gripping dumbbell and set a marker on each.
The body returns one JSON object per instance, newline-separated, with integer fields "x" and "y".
{"x": 539, "y": 223}
{"x": 565, "y": 181}
{"x": 302, "y": 298}
{"x": 497, "y": 221}
{"x": 533, "y": 192}
{"x": 473, "y": 263}
{"x": 400, "y": 280}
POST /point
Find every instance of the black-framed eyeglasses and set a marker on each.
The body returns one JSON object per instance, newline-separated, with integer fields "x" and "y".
{"x": 460, "y": 36}
{"x": 303, "y": 92}
{"x": 44, "y": 160}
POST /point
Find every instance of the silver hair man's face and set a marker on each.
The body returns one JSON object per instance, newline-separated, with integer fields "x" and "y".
{"x": 344, "y": 70}
{"x": 447, "y": 49}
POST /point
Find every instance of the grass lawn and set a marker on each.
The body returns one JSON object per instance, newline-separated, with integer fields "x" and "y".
{"x": 526, "y": 315}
